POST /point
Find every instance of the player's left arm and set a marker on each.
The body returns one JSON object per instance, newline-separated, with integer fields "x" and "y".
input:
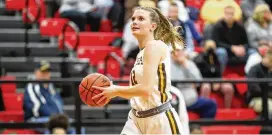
{"x": 154, "y": 52}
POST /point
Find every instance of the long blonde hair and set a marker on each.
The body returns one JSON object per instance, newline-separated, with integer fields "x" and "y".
{"x": 165, "y": 31}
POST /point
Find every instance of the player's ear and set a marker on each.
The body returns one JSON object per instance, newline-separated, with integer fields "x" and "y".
{"x": 153, "y": 26}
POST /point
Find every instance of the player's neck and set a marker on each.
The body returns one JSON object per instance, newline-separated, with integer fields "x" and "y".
{"x": 143, "y": 41}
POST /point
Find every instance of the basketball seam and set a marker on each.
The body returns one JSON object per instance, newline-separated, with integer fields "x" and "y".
{"x": 85, "y": 88}
{"x": 92, "y": 92}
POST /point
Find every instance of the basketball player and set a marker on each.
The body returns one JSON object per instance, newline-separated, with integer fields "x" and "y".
{"x": 150, "y": 84}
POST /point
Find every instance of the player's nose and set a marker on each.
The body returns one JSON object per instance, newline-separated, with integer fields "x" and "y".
{"x": 134, "y": 23}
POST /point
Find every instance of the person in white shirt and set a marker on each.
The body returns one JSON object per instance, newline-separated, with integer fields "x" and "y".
{"x": 164, "y": 6}
{"x": 256, "y": 57}
{"x": 81, "y": 12}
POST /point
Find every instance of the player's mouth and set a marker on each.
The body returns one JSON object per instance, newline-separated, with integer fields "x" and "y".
{"x": 135, "y": 28}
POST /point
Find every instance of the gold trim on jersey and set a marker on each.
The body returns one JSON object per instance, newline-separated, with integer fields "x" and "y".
{"x": 172, "y": 122}
{"x": 133, "y": 78}
{"x": 162, "y": 82}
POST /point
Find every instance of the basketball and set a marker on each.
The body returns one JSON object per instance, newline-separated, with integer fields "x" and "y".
{"x": 86, "y": 91}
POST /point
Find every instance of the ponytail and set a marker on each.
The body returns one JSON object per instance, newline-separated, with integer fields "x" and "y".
{"x": 167, "y": 32}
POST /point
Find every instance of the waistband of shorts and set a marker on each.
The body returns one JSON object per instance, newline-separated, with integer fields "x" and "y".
{"x": 154, "y": 111}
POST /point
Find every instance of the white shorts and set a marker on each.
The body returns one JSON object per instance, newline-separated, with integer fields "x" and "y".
{"x": 165, "y": 123}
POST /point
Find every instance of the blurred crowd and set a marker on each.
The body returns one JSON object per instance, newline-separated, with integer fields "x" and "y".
{"x": 233, "y": 33}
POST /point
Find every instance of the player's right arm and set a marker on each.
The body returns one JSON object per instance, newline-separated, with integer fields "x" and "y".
{"x": 155, "y": 51}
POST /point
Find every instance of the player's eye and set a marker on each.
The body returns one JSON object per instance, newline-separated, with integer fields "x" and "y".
{"x": 141, "y": 18}
{"x": 133, "y": 18}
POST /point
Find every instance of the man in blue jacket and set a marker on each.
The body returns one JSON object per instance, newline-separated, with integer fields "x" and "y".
{"x": 41, "y": 100}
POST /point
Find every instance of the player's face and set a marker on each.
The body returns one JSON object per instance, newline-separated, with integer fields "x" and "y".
{"x": 141, "y": 23}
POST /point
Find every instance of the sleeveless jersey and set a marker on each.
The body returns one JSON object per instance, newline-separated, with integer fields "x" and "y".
{"x": 162, "y": 83}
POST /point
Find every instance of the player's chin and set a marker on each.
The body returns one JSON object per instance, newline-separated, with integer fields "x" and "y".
{"x": 137, "y": 33}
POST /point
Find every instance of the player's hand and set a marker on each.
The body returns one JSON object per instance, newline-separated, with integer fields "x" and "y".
{"x": 107, "y": 94}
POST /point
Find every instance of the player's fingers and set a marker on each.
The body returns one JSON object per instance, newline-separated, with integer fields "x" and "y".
{"x": 101, "y": 99}
{"x": 98, "y": 88}
{"x": 97, "y": 96}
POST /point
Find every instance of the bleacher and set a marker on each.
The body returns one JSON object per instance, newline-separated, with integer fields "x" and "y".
{"x": 92, "y": 50}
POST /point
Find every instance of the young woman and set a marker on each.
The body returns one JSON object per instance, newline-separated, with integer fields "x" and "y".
{"x": 150, "y": 83}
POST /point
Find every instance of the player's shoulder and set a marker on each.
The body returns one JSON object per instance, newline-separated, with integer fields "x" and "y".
{"x": 157, "y": 45}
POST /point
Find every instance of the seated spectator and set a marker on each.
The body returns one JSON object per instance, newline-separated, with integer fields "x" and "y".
{"x": 81, "y": 12}
{"x": 182, "y": 69}
{"x": 209, "y": 67}
{"x": 254, "y": 93}
{"x": 184, "y": 31}
{"x": 260, "y": 26}
{"x": 213, "y": 10}
{"x": 58, "y": 124}
{"x": 256, "y": 57}
{"x": 164, "y": 6}
{"x": 109, "y": 9}
{"x": 248, "y": 7}
{"x": 41, "y": 100}
{"x": 188, "y": 30}
{"x": 231, "y": 39}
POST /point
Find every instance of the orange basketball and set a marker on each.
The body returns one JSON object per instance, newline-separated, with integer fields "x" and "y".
{"x": 86, "y": 91}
